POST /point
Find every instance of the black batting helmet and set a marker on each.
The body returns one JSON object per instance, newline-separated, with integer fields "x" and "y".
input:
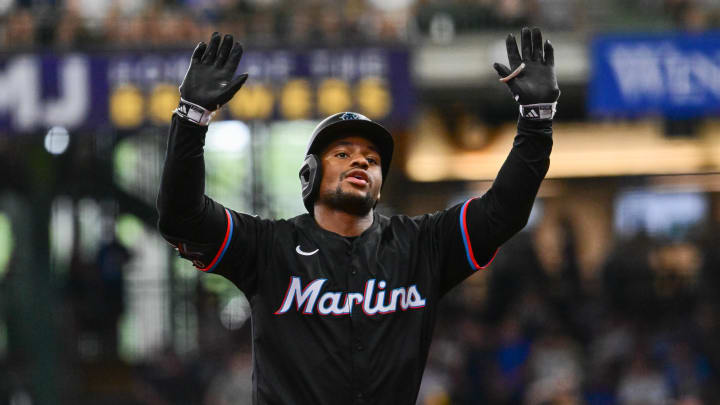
{"x": 331, "y": 128}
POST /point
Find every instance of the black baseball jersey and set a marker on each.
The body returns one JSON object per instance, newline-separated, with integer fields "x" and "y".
{"x": 338, "y": 320}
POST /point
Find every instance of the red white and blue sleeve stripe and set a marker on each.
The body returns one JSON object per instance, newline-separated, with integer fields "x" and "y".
{"x": 223, "y": 248}
{"x": 466, "y": 240}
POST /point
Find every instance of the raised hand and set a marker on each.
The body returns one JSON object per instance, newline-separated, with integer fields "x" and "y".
{"x": 530, "y": 77}
{"x": 209, "y": 82}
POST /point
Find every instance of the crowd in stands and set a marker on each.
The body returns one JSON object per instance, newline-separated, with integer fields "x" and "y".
{"x": 644, "y": 332}
{"x": 71, "y": 24}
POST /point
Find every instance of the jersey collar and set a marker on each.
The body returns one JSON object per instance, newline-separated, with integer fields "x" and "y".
{"x": 369, "y": 239}
{"x": 309, "y": 220}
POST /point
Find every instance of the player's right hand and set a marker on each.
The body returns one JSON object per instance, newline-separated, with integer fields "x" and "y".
{"x": 209, "y": 80}
{"x": 531, "y": 76}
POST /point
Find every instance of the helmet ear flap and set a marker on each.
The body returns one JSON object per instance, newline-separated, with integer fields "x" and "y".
{"x": 310, "y": 180}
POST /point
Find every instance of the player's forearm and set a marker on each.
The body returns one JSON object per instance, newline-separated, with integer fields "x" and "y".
{"x": 519, "y": 179}
{"x": 181, "y": 198}
{"x": 504, "y": 210}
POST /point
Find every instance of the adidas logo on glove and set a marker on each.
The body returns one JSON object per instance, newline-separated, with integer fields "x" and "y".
{"x": 538, "y": 111}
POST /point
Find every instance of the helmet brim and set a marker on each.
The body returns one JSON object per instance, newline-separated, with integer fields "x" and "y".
{"x": 370, "y": 130}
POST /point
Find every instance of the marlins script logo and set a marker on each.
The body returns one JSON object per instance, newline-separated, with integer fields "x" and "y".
{"x": 341, "y": 303}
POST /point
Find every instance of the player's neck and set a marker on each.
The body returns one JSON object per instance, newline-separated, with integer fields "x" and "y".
{"x": 341, "y": 222}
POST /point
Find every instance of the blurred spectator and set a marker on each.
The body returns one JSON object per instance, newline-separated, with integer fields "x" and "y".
{"x": 232, "y": 385}
{"x": 675, "y": 269}
{"x": 514, "y": 12}
{"x": 510, "y": 362}
{"x": 613, "y": 343}
{"x": 686, "y": 371}
{"x": 20, "y": 31}
{"x": 130, "y": 31}
{"x": 69, "y": 30}
{"x": 96, "y": 292}
{"x": 86, "y": 302}
{"x": 167, "y": 380}
{"x": 599, "y": 387}
{"x": 555, "y": 369}
{"x": 627, "y": 278}
{"x": 93, "y": 13}
{"x": 111, "y": 260}
{"x": 642, "y": 384}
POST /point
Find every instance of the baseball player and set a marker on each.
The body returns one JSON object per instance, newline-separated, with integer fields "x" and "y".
{"x": 343, "y": 299}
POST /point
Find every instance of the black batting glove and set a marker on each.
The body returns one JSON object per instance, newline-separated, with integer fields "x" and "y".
{"x": 209, "y": 82}
{"x": 531, "y": 77}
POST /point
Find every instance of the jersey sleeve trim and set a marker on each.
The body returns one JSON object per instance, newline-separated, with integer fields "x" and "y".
{"x": 466, "y": 240}
{"x": 226, "y": 242}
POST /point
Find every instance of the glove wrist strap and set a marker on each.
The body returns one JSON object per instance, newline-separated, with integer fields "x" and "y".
{"x": 194, "y": 113}
{"x": 537, "y": 112}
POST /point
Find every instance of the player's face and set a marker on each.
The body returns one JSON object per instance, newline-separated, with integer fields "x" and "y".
{"x": 351, "y": 175}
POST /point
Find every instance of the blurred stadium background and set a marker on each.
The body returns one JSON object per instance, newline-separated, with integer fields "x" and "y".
{"x": 608, "y": 297}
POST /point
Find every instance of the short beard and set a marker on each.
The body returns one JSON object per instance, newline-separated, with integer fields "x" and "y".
{"x": 350, "y": 203}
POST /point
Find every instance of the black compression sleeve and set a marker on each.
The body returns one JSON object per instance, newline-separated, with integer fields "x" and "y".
{"x": 505, "y": 208}
{"x": 185, "y": 213}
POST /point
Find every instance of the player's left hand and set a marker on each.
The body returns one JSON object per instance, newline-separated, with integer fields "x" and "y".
{"x": 530, "y": 77}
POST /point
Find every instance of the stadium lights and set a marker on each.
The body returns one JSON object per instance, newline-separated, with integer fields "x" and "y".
{"x": 227, "y": 136}
{"x": 57, "y": 140}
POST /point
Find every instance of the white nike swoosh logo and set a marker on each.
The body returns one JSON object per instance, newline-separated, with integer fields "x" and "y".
{"x": 301, "y": 252}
